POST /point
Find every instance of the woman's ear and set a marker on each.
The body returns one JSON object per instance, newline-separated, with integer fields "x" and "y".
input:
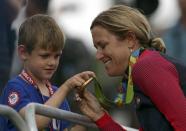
{"x": 22, "y": 52}
{"x": 131, "y": 40}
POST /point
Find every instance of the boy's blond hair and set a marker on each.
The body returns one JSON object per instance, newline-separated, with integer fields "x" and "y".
{"x": 41, "y": 31}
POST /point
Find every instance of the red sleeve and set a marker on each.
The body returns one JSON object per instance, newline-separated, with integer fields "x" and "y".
{"x": 106, "y": 123}
{"x": 158, "y": 79}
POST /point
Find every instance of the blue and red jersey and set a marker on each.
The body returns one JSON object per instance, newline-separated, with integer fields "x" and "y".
{"x": 18, "y": 93}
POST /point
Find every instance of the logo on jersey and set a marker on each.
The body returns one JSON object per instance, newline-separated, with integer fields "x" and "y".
{"x": 13, "y": 98}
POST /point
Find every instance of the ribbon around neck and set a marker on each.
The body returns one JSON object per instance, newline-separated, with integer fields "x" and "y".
{"x": 126, "y": 93}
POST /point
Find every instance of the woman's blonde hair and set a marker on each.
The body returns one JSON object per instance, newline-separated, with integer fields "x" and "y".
{"x": 121, "y": 19}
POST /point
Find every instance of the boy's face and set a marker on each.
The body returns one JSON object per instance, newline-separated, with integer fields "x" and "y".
{"x": 42, "y": 64}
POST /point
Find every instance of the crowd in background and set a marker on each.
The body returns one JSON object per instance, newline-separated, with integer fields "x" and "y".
{"x": 75, "y": 17}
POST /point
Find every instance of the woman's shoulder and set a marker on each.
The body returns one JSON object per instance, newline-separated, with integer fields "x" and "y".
{"x": 149, "y": 57}
{"x": 150, "y": 62}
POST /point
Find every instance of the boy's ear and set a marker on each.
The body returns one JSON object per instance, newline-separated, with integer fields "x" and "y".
{"x": 22, "y": 52}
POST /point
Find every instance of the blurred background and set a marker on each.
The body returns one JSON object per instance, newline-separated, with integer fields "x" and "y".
{"x": 74, "y": 18}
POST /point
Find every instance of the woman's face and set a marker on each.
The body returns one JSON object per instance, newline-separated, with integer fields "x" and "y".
{"x": 112, "y": 51}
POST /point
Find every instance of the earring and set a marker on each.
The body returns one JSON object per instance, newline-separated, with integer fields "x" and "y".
{"x": 131, "y": 50}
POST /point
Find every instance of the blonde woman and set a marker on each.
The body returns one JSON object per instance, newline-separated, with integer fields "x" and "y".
{"x": 154, "y": 81}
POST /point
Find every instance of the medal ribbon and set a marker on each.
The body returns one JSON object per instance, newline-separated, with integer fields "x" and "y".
{"x": 125, "y": 91}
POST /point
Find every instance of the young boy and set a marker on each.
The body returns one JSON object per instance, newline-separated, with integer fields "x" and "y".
{"x": 40, "y": 45}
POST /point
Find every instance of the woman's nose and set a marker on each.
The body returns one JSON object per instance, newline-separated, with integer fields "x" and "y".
{"x": 99, "y": 55}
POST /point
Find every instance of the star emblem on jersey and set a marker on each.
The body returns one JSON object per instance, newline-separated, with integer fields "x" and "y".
{"x": 13, "y": 98}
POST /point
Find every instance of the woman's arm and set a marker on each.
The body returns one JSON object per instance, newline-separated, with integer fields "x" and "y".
{"x": 91, "y": 107}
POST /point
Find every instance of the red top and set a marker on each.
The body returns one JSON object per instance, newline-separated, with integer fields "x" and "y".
{"x": 106, "y": 123}
{"x": 158, "y": 79}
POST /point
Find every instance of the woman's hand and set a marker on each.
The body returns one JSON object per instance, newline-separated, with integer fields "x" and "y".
{"x": 89, "y": 105}
{"x": 77, "y": 80}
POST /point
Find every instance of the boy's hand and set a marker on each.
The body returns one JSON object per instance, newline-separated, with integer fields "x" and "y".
{"x": 78, "y": 80}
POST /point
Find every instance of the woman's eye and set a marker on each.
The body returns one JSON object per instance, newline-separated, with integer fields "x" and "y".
{"x": 102, "y": 46}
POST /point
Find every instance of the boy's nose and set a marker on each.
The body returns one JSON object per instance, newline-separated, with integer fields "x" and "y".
{"x": 52, "y": 62}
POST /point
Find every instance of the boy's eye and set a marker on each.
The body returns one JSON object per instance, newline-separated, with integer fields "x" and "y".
{"x": 44, "y": 56}
{"x": 57, "y": 56}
